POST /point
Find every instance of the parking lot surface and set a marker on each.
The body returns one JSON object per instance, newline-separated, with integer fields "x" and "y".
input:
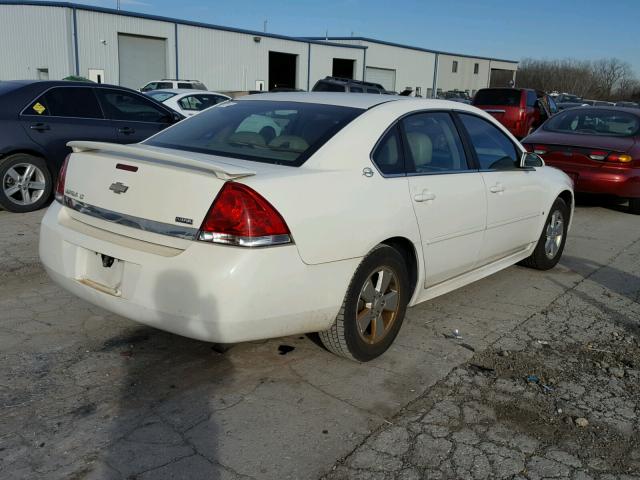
{"x": 542, "y": 384}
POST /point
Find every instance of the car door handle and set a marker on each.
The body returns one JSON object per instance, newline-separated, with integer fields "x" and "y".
{"x": 41, "y": 127}
{"x": 425, "y": 196}
{"x": 126, "y": 130}
{"x": 497, "y": 188}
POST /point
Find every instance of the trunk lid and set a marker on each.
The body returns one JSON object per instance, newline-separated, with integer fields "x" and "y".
{"x": 151, "y": 189}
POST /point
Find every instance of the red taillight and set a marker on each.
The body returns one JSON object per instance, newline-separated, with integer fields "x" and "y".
{"x": 619, "y": 158}
{"x": 62, "y": 175}
{"x": 241, "y": 216}
{"x": 540, "y": 149}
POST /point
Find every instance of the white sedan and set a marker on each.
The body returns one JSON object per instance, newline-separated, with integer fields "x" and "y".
{"x": 187, "y": 102}
{"x": 225, "y": 228}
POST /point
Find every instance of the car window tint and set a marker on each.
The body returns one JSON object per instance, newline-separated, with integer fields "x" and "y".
{"x": 197, "y": 102}
{"x": 185, "y": 85}
{"x": 78, "y": 102}
{"x": 497, "y": 96}
{"x": 356, "y": 89}
{"x": 433, "y": 144}
{"x": 119, "y": 105}
{"x": 373, "y": 90}
{"x": 283, "y": 133}
{"x": 532, "y": 98}
{"x": 161, "y": 85}
{"x": 552, "y": 105}
{"x": 220, "y": 98}
{"x": 199, "y": 86}
{"x": 591, "y": 121}
{"x": 38, "y": 107}
{"x": 328, "y": 87}
{"x": 494, "y": 149}
{"x": 388, "y": 155}
{"x": 161, "y": 96}
{"x": 149, "y": 86}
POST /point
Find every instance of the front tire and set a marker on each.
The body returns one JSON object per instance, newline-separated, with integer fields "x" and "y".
{"x": 373, "y": 308}
{"x": 552, "y": 239}
{"x": 25, "y": 183}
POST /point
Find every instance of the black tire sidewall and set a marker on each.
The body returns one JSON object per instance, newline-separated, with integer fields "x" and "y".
{"x": 12, "y": 160}
{"x": 383, "y": 256}
{"x": 542, "y": 260}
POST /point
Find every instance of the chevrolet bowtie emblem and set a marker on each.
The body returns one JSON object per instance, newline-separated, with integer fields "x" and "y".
{"x": 118, "y": 188}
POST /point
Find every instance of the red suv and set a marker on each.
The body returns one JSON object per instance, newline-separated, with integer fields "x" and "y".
{"x": 521, "y": 110}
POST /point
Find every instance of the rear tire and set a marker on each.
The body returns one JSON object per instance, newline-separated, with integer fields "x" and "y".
{"x": 552, "y": 239}
{"x": 373, "y": 308}
{"x": 634, "y": 206}
{"x": 25, "y": 183}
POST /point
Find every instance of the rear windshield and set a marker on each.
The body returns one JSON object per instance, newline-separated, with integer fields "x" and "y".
{"x": 498, "y": 96}
{"x": 594, "y": 122}
{"x": 283, "y": 133}
{"x": 161, "y": 96}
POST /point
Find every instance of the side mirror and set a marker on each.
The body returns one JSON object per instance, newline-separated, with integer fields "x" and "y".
{"x": 531, "y": 160}
{"x": 176, "y": 117}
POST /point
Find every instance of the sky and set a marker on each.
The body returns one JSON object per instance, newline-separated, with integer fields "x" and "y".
{"x": 583, "y": 29}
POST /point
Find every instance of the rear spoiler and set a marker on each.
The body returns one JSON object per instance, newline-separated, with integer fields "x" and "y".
{"x": 151, "y": 155}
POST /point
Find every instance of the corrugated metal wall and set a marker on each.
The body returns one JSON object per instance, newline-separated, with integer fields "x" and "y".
{"x": 98, "y": 41}
{"x": 233, "y": 61}
{"x": 33, "y": 37}
{"x": 322, "y": 61}
{"x": 464, "y": 78}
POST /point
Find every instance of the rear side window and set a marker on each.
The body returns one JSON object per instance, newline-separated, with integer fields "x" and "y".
{"x": 199, "y": 86}
{"x": 185, "y": 85}
{"x": 497, "y": 96}
{"x": 120, "y": 105}
{"x": 356, "y": 89}
{"x": 161, "y": 96}
{"x": 532, "y": 98}
{"x": 73, "y": 102}
{"x": 388, "y": 155}
{"x": 162, "y": 85}
{"x": 493, "y": 148}
{"x": 599, "y": 121}
{"x": 433, "y": 144}
{"x": 328, "y": 87}
{"x": 283, "y": 133}
{"x": 197, "y": 102}
{"x": 373, "y": 90}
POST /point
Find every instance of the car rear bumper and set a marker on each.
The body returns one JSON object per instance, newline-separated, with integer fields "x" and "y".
{"x": 617, "y": 182}
{"x": 208, "y": 292}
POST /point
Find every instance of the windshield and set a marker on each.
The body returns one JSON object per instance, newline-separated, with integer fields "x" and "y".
{"x": 498, "y": 96}
{"x": 161, "y": 96}
{"x": 283, "y": 133}
{"x": 595, "y": 122}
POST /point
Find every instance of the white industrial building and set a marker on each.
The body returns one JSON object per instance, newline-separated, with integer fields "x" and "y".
{"x": 53, "y": 40}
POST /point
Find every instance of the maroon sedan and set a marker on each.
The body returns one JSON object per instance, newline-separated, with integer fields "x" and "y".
{"x": 598, "y": 147}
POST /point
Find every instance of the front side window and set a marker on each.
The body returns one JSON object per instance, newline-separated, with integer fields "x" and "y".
{"x": 493, "y": 148}
{"x": 388, "y": 155}
{"x": 161, "y": 96}
{"x": 283, "y": 133}
{"x": 434, "y": 145}
{"x": 74, "y": 102}
{"x": 197, "y": 102}
{"x": 121, "y": 105}
{"x": 149, "y": 86}
{"x": 591, "y": 121}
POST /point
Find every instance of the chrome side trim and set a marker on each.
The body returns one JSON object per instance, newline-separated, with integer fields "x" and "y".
{"x": 494, "y": 110}
{"x": 187, "y": 233}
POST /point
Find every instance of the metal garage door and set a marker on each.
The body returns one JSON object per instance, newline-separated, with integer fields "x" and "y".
{"x": 383, "y": 76}
{"x": 141, "y": 59}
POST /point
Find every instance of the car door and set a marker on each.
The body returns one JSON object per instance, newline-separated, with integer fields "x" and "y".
{"x": 62, "y": 114}
{"x": 135, "y": 117}
{"x": 447, "y": 193}
{"x": 514, "y": 195}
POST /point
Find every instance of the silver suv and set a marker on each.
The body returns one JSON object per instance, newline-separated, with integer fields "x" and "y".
{"x": 171, "y": 83}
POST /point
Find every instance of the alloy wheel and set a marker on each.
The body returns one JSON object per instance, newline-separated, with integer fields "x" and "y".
{"x": 378, "y": 305}
{"x": 24, "y": 183}
{"x": 554, "y": 234}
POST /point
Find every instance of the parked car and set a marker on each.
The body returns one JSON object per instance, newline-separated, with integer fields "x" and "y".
{"x": 521, "y": 110}
{"x": 456, "y": 96}
{"x": 172, "y": 83}
{"x": 38, "y": 118}
{"x": 337, "y": 84}
{"x": 361, "y": 206}
{"x": 187, "y": 102}
{"x": 567, "y": 100}
{"x": 599, "y": 148}
{"x": 597, "y": 103}
{"x": 628, "y": 104}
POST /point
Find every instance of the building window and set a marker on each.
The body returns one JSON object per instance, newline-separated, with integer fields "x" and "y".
{"x": 476, "y": 68}
{"x": 43, "y": 74}
{"x": 454, "y": 66}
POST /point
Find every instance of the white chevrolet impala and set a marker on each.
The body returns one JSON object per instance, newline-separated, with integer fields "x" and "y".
{"x": 288, "y": 213}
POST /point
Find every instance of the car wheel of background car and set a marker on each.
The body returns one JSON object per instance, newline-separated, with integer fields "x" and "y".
{"x": 551, "y": 243}
{"x": 634, "y": 206}
{"x": 26, "y": 182}
{"x": 373, "y": 309}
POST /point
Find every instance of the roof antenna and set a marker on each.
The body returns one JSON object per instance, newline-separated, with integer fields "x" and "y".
{"x": 326, "y": 35}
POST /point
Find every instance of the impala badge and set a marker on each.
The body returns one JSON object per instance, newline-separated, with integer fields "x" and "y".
{"x": 118, "y": 188}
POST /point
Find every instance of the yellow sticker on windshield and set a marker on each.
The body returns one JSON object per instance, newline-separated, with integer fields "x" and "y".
{"x": 38, "y": 107}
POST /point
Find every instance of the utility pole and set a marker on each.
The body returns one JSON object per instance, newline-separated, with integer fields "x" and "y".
{"x": 264, "y": 26}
